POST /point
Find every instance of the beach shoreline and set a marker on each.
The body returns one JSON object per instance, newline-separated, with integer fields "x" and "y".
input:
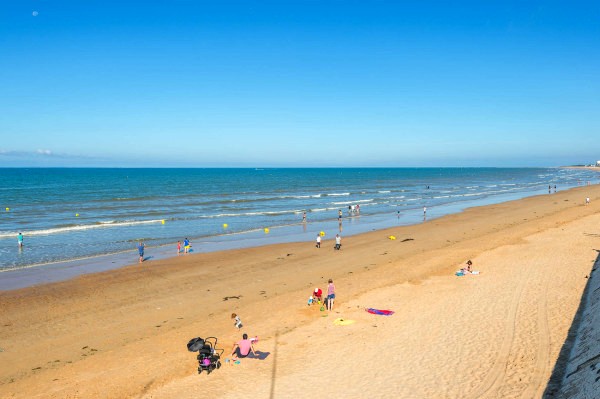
{"x": 44, "y": 273}
{"x": 130, "y": 325}
{"x": 217, "y": 214}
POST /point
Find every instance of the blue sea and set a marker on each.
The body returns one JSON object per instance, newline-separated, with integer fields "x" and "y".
{"x": 67, "y": 214}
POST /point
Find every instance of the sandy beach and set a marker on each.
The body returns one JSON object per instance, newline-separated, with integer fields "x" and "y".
{"x": 123, "y": 333}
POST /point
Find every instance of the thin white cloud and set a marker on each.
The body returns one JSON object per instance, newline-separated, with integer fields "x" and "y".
{"x": 40, "y": 153}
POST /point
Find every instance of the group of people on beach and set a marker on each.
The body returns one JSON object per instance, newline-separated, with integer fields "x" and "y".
{"x": 141, "y": 247}
{"x": 186, "y": 246}
{"x": 337, "y": 245}
{"x": 317, "y": 297}
{"x": 245, "y": 346}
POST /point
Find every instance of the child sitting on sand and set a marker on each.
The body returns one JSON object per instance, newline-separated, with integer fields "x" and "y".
{"x": 237, "y": 322}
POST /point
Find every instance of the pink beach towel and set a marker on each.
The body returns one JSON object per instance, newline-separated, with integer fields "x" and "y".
{"x": 380, "y": 312}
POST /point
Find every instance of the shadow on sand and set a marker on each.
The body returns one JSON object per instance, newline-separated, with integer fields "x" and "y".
{"x": 560, "y": 368}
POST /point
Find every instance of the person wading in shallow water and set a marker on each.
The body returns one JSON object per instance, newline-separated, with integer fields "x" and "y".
{"x": 140, "y": 248}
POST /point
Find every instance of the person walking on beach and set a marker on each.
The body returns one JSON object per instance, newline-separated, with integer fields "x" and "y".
{"x": 140, "y": 248}
{"x": 330, "y": 295}
{"x": 178, "y": 247}
{"x": 318, "y": 241}
{"x": 424, "y": 211}
{"x": 587, "y": 200}
{"x": 340, "y": 216}
{"x": 186, "y": 246}
{"x": 303, "y": 217}
{"x": 20, "y": 240}
{"x": 338, "y": 242}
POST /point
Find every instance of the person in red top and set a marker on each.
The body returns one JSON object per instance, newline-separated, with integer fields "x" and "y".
{"x": 242, "y": 348}
{"x": 317, "y": 295}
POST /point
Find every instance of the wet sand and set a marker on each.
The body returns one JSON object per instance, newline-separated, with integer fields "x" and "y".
{"x": 123, "y": 333}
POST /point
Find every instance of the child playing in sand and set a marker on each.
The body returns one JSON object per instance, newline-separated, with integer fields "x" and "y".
{"x": 317, "y": 295}
{"x": 237, "y": 321}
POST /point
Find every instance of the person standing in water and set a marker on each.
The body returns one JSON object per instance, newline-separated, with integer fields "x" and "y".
{"x": 141, "y": 251}
{"x": 20, "y": 240}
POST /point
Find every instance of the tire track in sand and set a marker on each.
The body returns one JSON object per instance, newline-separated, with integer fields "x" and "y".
{"x": 496, "y": 374}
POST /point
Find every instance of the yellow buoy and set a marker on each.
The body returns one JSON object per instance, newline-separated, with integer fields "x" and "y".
{"x": 322, "y": 234}
{"x": 7, "y": 209}
{"x": 76, "y": 215}
{"x": 224, "y": 225}
{"x": 266, "y": 230}
{"x": 162, "y": 221}
{"x": 392, "y": 237}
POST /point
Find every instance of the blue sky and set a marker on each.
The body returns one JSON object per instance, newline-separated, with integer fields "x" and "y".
{"x": 311, "y": 83}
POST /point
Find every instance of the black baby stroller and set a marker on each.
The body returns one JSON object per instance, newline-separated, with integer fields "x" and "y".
{"x": 209, "y": 357}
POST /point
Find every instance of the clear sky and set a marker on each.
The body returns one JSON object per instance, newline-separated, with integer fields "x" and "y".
{"x": 309, "y": 83}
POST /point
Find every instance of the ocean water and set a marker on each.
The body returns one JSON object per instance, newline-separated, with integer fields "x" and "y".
{"x": 67, "y": 214}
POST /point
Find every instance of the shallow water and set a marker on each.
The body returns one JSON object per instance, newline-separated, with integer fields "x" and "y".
{"x": 68, "y": 214}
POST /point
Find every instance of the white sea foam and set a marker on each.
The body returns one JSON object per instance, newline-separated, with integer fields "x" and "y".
{"x": 352, "y": 202}
{"x": 66, "y": 229}
{"x": 384, "y": 191}
{"x": 337, "y": 194}
{"x": 264, "y": 213}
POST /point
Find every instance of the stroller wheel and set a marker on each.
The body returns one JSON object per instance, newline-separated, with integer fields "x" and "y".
{"x": 218, "y": 364}
{"x": 199, "y": 370}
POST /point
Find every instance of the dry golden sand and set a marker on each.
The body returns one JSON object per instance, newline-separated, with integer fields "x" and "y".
{"x": 123, "y": 333}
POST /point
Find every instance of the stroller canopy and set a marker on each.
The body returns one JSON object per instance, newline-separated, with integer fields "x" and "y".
{"x": 195, "y": 344}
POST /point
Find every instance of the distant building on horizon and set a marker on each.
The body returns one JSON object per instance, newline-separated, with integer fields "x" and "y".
{"x": 598, "y": 163}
